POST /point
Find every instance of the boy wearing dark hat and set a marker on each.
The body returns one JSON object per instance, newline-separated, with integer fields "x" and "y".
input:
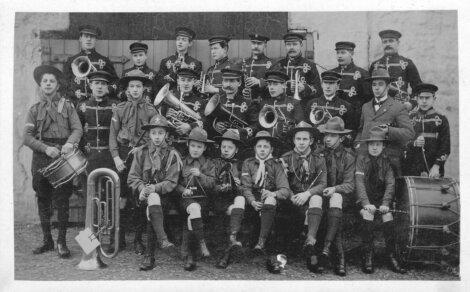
{"x": 227, "y": 197}
{"x": 139, "y": 58}
{"x": 52, "y": 128}
{"x": 427, "y": 153}
{"x": 153, "y": 176}
{"x": 310, "y": 85}
{"x": 375, "y": 191}
{"x": 125, "y": 136}
{"x": 340, "y": 165}
{"x": 219, "y": 48}
{"x": 197, "y": 180}
{"x": 78, "y": 88}
{"x": 263, "y": 183}
{"x": 255, "y": 68}
{"x": 181, "y": 59}
{"x": 402, "y": 69}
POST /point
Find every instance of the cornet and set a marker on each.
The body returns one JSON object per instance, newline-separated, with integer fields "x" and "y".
{"x": 297, "y": 79}
{"x": 82, "y": 66}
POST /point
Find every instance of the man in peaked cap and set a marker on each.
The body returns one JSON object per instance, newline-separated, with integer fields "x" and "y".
{"x": 78, "y": 89}
{"x": 310, "y": 85}
{"x": 181, "y": 59}
{"x": 219, "y": 48}
{"x": 402, "y": 69}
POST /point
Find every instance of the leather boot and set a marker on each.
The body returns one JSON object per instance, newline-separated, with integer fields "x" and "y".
{"x": 139, "y": 247}
{"x": 340, "y": 264}
{"x": 390, "y": 247}
{"x": 189, "y": 264}
{"x": 259, "y": 249}
{"x": 368, "y": 242}
{"x": 148, "y": 263}
{"x": 62, "y": 250}
{"x": 47, "y": 245}
{"x": 236, "y": 252}
{"x": 225, "y": 260}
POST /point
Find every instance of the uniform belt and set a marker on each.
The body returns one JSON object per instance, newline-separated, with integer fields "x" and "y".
{"x": 99, "y": 147}
{"x": 60, "y": 141}
{"x": 98, "y": 128}
{"x": 430, "y": 135}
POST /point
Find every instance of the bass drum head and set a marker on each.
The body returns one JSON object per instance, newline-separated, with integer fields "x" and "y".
{"x": 428, "y": 218}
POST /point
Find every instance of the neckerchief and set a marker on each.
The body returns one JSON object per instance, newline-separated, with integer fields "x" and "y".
{"x": 134, "y": 115}
{"x": 373, "y": 176}
{"x": 331, "y": 165}
{"x": 156, "y": 156}
{"x": 50, "y": 101}
{"x": 305, "y": 167}
{"x": 261, "y": 173}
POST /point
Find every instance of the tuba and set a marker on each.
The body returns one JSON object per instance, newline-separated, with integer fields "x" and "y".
{"x": 184, "y": 113}
{"x": 102, "y": 215}
{"x": 82, "y": 66}
{"x": 231, "y": 121}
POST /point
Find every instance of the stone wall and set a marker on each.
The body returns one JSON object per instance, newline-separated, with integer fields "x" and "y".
{"x": 429, "y": 39}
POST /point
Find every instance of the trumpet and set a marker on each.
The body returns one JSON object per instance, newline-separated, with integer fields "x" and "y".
{"x": 232, "y": 121}
{"x": 297, "y": 79}
{"x": 102, "y": 214}
{"x": 82, "y": 66}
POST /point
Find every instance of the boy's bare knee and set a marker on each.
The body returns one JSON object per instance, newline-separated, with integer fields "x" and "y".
{"x": 239, "y": 202}
{"x": 336, "y": 201}
{"x": 315, "y": 202}
{"x": 366, "y": 215}
{"x": 387, "y": 217}
{"x": 194, "y": 210}
{"x": 153, "y": 199}
{"x": 270, "y": 201}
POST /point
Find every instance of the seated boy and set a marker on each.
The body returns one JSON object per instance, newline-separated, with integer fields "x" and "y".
{"x": 153, "y": 175}
{"x": 375, "y": 190}
{"x": 196, "y": 181}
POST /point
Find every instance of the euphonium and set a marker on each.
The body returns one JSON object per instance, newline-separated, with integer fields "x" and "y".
{"x": 221, "y": 113}
{"x": 102, "y": 214}
{"x": 82, "y": 66}
{"x": 268, "y": 117}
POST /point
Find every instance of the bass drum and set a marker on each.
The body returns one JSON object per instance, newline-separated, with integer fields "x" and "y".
{"x": 428, "y": 218}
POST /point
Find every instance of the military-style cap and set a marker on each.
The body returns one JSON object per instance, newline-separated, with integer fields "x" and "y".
{"x": 187, "y": 72}
{"x": 219, "y": 39}
{"x": 157, "y": 121}
{"x": 425, "y": 87}
{"x": 381, "y": 74}
{"x": 198, "y": 134}
{"x": 231, "y": 135}
{"x": 330, "y": 76}
{"x": 302, "y": 126}
{"x": 335, "y": 125}
{"x": 376, "y": 134}
{"x": 138, "y": 47}
{"x": 89, "y": 29}
{"x": 135, "y": 74}
{"x": 266, "y": 136}
{"x": 47, "y": 69}
{"x": 276, "y": 76}
{"x": 389, "y": 33}
{"x": 233, "y": 71}
{"x": 99, "y": 76}
{"x": 258, "y": 38}
{"x": 292, "y": 37}
{"x": 350, "y": 46}
{"x": 186, "y": 32}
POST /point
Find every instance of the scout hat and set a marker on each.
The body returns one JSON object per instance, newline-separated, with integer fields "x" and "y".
{"x": 134, "y": 75}
{"x": 218, "y": 39}
{"x": 187, "y": 72}
{"x": 425, "y": 87}
{"x": 99, "y": 76}
{"x": 157, "y": 121}
{"x": 335, "y": 125}
{"x": 258, "y": 38}
{"x": 292, "y": 37}
{"x": 390, "y": 33}
{"x": 277, "y": 76}
{"x": 380, "y": 73}
{"x": 350, "y": 46}
{"x": 89, "y": 29}
{"x": 231, "y": 135}
{"x": 264, "y": 135}
{"x": 138, "y": 47}
{"x": 43, "y": 69}
{"x": 376, "y": 134}
{"x": 302, "y": 126}
{"x": 186, "y": 32}
{"x": 198, "y": 134}
{"x": 330, "y": 76}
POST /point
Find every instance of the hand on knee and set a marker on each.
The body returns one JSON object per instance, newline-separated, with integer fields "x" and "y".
{"x": 153, "y": 199}
{"x": 315, "y": 202}
{"x": 336, "y": 201}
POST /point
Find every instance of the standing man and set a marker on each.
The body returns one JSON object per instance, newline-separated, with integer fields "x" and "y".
{"x": 390, "y": 115}
{"x": 78, "y": 88}
{"x": 310, "y": 84}
{"x": 255, "y": 67}
{"x": 399, "y": 67}
{"x": 219, "y": 49}
{"x": 181, "y": 59}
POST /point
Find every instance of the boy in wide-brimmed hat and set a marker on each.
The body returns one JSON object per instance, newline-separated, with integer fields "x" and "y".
{"x": 264, "y": 182}
{"x": 375, "y": 191}
{"x": 196, "y": 181}
{"x": 153, "y": 176}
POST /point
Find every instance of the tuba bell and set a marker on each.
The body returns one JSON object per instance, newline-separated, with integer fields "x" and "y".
{"x": 82, "y": 66}
{"x": 230, "y": 120}
{"x": 268, "y": 117}
{"x": 102, "y": 216}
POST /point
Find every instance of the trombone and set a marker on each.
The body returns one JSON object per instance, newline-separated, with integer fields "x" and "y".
{"x": 82, "y": 66}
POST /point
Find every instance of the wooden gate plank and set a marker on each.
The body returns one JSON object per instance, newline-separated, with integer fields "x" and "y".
{"x": 115, "y": 49}
{"x": 160, "y": 49}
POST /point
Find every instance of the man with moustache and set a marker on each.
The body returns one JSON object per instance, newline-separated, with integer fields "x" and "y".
{"x": 78, "y": 89}
{"x": 219, "y": 49}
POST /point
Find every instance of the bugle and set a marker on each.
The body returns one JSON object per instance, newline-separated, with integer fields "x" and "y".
{"x": 82, "y": 66}
{"x": 222, "y": 114}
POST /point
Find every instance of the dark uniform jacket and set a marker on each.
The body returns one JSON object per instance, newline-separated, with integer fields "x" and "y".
{"x": 126, "y": 124}
{"x": 403, "y": 69}
{"x": 214, "y": 73}
{"x": 276, "y": 180}
{"x": 300, "y": 180}
{"x": 202, "y": 184}
{"x": 256, "y": 66}
{"x": 195, "y": 102}
{"x": 308, "y": 76}
{"x": 435, "y": 129}
{"x": 340, "y": 168}
{"x": 149, "y": 92}
{"x": 147, "y": 168}
{"x": 78, "y": 89}
{"x": 374, "y": 186}
{"x": 337, "y": 107}
{"x": 169, "y": 68}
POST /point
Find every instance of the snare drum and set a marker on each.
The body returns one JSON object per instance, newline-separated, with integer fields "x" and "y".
{"x": 65, "y": 168}
{"x": 429, "y": 222}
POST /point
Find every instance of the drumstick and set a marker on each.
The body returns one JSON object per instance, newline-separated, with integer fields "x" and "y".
{"x": 422, "y": 147}
{"x": 138, "y": 141}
